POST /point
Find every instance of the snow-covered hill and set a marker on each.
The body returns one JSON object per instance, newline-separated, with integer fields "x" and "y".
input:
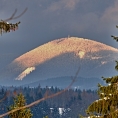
{"x": 61, "y": 57}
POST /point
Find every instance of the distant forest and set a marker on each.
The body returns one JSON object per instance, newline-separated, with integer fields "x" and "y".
{"x": 67, "y": 105}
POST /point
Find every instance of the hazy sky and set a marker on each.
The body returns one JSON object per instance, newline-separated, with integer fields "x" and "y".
{"x": 46, "y": 20}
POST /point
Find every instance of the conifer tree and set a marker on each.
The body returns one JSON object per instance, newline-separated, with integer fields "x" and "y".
{"x": 6, "y": 27}
{"x": 19, "y": 101}
{"x": 107, "y": 105}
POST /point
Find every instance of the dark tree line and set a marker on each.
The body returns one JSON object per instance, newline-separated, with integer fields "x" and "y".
{"x": 67, "y": 101}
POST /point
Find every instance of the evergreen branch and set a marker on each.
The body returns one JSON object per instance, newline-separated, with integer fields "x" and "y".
{"x": 115, "y": 37}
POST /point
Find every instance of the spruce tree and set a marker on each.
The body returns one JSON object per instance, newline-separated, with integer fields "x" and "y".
{"x": 6, "y": 27}
{"x": 19, "y": 101}
{"x": 107, "y": 104}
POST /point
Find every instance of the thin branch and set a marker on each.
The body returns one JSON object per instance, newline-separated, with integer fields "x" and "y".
{"x": 12, "y": 17}
{"x": 44, "y": 98}
{"x": 5, "y": 96}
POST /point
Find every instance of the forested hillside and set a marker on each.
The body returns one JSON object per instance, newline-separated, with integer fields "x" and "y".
{"x": 69, "y": 104}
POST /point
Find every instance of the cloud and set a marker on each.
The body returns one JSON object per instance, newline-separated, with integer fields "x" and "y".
{"x": 70, "y": 4}
{"x": 74, "y": 15}
{"x": 48, "y": 20}
{"x": 62, "y": 5}
{"x": 111, "y": 13}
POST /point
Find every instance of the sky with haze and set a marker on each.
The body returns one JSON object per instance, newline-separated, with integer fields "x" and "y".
{"x": 46, "y": 20}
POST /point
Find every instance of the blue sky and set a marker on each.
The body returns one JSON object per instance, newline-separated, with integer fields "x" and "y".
{"x": 46, "y": 20}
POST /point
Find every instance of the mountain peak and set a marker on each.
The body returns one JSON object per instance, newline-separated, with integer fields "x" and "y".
{"x": 51, "y": 49}
{"x": 62, "y": 57}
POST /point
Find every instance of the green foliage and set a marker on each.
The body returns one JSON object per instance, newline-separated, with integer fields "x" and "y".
{"x": 6, "y": 27}
{"x": 19, "y": 101}
{"x": 116, "y": 67}
{"x": 115, "y": 37}
{"x": 107, "y": 105}
{"x": 46, "y": 117}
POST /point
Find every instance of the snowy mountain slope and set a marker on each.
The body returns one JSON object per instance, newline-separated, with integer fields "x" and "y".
{"x": 61, "y": 57}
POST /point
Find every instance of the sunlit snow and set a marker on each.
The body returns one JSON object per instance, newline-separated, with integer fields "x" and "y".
{"x": 61, "y": 111}
{"x": 25, "y": 72}
{"x": 103, "y": 62}
{"x": 81, "y": 54}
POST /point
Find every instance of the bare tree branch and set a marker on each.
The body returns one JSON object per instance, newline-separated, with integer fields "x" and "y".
{"x": 44, "y": 98}
{"x": 12, "y": 17}
{"x": 5, "y": 96}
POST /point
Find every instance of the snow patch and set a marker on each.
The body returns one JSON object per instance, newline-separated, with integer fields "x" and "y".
{"x": 81, "y": 54}
{"x": 95, "y": 58}
{"x": 103, "y": 62}
{"x": 61, "y": 110}
{"x": 51, "y": 109}
{"x": 25, "y": 73}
